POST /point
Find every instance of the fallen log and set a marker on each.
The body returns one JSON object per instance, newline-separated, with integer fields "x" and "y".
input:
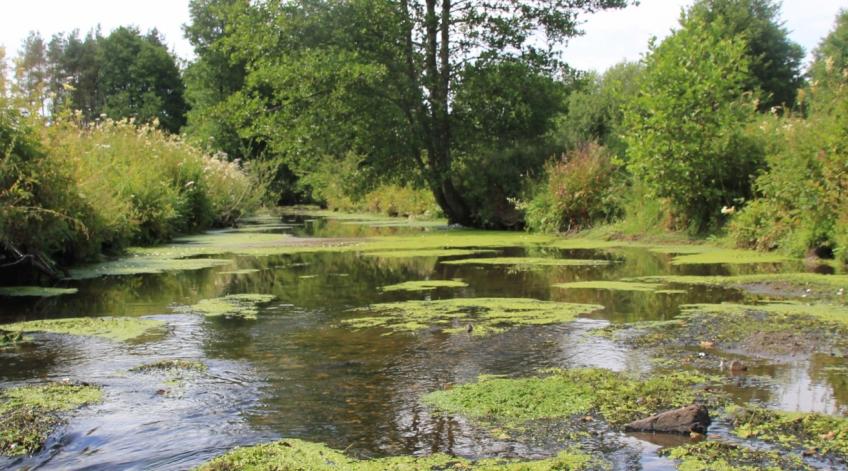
{"x": 693, "y": 418}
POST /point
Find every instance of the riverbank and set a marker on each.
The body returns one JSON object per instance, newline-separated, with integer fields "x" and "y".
{"x": 71, "y": 193}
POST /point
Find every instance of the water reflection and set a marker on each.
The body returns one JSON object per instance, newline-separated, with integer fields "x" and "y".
{"x": 296, "y": 372}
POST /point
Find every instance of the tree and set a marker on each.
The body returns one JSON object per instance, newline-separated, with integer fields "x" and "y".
{"x": 830, "y": 63}
{"x": 74, "y": 73}
{"x": 685, "y": 131}
{"x": 31, "y": 73}
{"x": 139, "y": 78}
{"x": 380, "y": 78}
{"x": 595, "y": 110}
{"x": 2, "y": 72}
{"x": 774, "y": 61}
{"x": 214, "y": 76}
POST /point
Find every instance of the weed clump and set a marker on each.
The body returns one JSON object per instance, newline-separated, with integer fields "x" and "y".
{"x": 29, "y": 414}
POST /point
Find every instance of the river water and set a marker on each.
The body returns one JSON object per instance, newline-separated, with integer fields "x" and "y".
{"x": 296, "y": 372}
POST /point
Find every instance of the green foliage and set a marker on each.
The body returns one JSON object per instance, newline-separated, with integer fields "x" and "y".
{"x": 578, "y": 191}
{"x": 827, "y": 72}
{"x": 774, "y": 60}
{"x": 686, "y": 138}
{"x": 595, "y": 110}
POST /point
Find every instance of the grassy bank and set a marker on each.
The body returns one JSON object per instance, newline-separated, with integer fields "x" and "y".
{"x": 70, "y": 193}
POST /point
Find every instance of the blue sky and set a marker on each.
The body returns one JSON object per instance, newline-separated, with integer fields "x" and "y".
{"x": 610, "y": 37}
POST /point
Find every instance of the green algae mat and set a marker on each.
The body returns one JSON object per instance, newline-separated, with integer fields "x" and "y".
{"x": 29, "y": 414}
{"x": 36, "y": 291}
{"x": 112, "y": 328}
{"x": 425, "y": 285}
{"x": 477, "y": 316}
{"x": 529, "y": 262}
{"x": 245, "y": 306}
{"x": 563, "y": 394}
{"x": 295, "y": 454}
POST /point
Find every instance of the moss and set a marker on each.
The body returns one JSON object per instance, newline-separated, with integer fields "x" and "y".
{"x": 723, "y": 456}
{"x": 566, "y": 393}
{"x": 112, "y": 328}
{"x": 823, "y": 434}
{"x": 425, "y": 285}
{"x": 38, "y": 291}
{"x": 137, "y": 265}
{"x": 426, "y": 253}
{"x": 611, "y": 285}
{"x": 29, "y": 414}
{"x": 485, "y": 315}
{"x": 527, "y": 261}
{"x": 234, "y": 305}
{"x": 295, "y": 454}
{"x": 727, "y": 256}
{"x": 170, "y": 366}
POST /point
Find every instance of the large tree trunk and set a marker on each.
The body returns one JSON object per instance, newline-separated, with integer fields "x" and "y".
{"x": 438, "y": 129}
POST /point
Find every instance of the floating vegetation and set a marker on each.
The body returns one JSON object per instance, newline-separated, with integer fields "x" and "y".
{"x": 818, "y": 434}
{"x": 613, "y": 285}
{"x": 244, "y": 271}
{"x": 711, "y": 455}
{"x": 425, "y": 285}
{"x": 295, "y": 454}
{"x": 479, "y": 316}
{"x": 112, "y": 328}
{"x": 529, "y": 261}
{"x": 563, "y": 394}
{"x": 768, "y": 329}
{"x": 35, "y": 291}
{"x": 798, "y": 280}
{"x": 172, "y": 366}
{"x": 29, "y": 414}
{"x": 235, "y": 305}
{"x": 712, "y": 255}
{"x": 591, "y": 244}
{"x": 137, "y": 265}
{"x": 425, "y": 253}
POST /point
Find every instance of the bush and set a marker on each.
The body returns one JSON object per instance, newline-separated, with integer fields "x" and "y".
{"x": 686, "y": 130}
{"x": 579, "y": 190}
{"x": 72, "y": 192}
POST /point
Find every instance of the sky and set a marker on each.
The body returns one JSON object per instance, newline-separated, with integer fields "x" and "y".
{"x": 611, "y": 36}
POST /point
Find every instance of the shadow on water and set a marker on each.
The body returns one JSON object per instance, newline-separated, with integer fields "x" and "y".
{"x": 297, "y": 371}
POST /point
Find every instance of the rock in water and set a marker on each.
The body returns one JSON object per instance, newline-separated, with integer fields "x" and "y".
{"x": 687, "y": 419}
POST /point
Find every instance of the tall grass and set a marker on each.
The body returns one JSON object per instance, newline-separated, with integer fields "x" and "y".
{"x": 71, "y": 192}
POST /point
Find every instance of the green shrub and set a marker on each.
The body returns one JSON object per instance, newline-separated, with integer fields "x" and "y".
{"x": 71, "y": 192}
{"x": 578, "y": 191}
{"x": 685, "y": 131}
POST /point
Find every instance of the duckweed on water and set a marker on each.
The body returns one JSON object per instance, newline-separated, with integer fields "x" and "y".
{"x": 723, "y": 456}
{"x": 36, "y": 291}
{"x": 727, "y": 256}
{"x": 425, "y": 285}
{"x": 815, "y": 433}
{"x": 245, "y": 271}
{"x": 567, "y": 393}
{"x": 798, "y": 280}
{"x": 612, "y": 285}
{"x": 295, "y": 454}
{"x": 112, "y": 328}
{"x": 137, "y": 265}
{"x": 529, "y": 261}
{"x": 484, "y": 315}
{"x": 235, "y": 305}
{"x": 28, "y": 414}
{"x": 426, "y": 253}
